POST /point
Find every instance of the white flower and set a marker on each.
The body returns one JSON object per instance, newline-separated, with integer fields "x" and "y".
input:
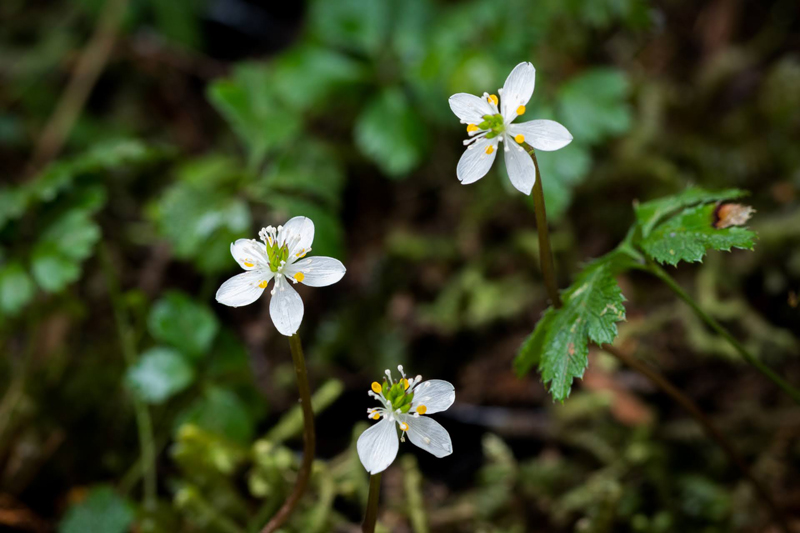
{"x": 489, "y": 121}
{"x": 402, "y": 403}
{"x": 281, "y": 256}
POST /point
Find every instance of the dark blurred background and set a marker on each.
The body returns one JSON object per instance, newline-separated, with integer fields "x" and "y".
{"x": 138, "y": 138}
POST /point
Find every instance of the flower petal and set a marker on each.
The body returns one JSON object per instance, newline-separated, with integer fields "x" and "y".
{"x": 244, "y": 289}
{"x": 377, "y": 447}
{"x": 249, "y": 253}
{"x": 469, "y": 108}
{"x": 475, "y": 162}
{"x": 298, "y": 234}
{"x": 436, "y": 395}
{"x": 545, "y": 135}
{"x": 286, "y": 307}
{"x": 519, "y": 166}
{"x": 517, "y": 90}
{"x": 316, "y": 271}
{"x": 428, "y": 434}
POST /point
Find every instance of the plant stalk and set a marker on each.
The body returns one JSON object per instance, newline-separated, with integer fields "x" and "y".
{"x": 309, "y": 438}
{"x": 684, "y": 401}
{"x": 144, "y": 423}
{"x": 371, "y": 516}
{"x": 545, "y": 251}
{"x": 661, "y": 274}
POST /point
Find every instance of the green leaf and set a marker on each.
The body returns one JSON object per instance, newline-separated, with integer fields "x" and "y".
{"x": 391, "y": 133}
{"x": 687, "y": 236}
{"x": 222, "y": 412}
{"x": 183, "y": 323}
{"x": 357, "y": 25}
{"x": 306, "y": 77}
{"x": 592, "y": 307}
{"x": 103, "y": 511}
{"x": 593, "y": 105}
{"x": 52, "y": 270}
{"x": 16, "y": 288}
{"x": 249, "y": 104}
{"x": 648, "y": 214}
{"x": 159, "y": 374}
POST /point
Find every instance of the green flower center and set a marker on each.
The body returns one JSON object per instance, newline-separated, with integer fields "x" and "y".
{"x": 276, "y": 255}
{"x": 493, "y": 123}
{"x": 396, "y": 395}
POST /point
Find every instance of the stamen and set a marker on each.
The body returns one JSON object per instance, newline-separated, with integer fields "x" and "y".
{"x": 263, "y": 284}
{"x": 421, "y": 409}
{"x": 376, "y": 387}
{"x": 376, "y": 415}
{"x": 299, "y": 276}
{"x": 489, "y": 149}
{"x": 403, "y": 426}
{"x": 520, "y": 138}
{"x": 521, "y": 110}
{"x": 405, "y": 384}
{"x": 471, "y": 128}
{"x": 493, "y": 99}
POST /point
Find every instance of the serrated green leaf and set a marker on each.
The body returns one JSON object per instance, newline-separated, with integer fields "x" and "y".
{"x": 530, "y": 353}
{"x": 648, "y": 214}
{"x": 16, "y": 288}
{"x": 593, "y": 105}
{"x": 103, "y": 511}
{"x": 159, "y": 374}
{"x": 687, "y": 236}
{"x": 183, "y": 323}
{"x": 592, "y": 307}
{"x": 391, "y": 133}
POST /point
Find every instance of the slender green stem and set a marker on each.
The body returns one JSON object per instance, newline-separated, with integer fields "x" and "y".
{"x": 128, "y": 346}
{"x": 545, "y": 251}
{"x": 661, "y": 274}
{"x": 684, "y": 401}
{"x": 371, "y": 516}
{"x": 309, "y": 438}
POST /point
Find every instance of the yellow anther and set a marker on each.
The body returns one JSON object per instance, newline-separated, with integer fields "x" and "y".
{"x": 405, "y": 384}
{"x": 520, "y": 138}
{"x": 299, "y": 276}
{"x": 493, "y": 99}
{"x": 403, "y": 426}
{"x": 489, "y": 149}
{"x": 301, "y": 253}
{"x": 248, "y": 265}
{"x": 521, "y": 110}
{"x": 376, "y": 387}
{"x": 263, "y": 284}
{"x": 376, "y": 415}
{"x": 421, "y": 409}
{"x": 472, "y": 127}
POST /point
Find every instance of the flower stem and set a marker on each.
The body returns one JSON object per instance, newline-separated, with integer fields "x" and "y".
{"x": 685, "y": 402}
{"x": 661, "y": 274}
{"x": 371, "y": 515}
{"x": 545, "y": 251}
{"x": 309, "y": 438}
{"x": 128, "y": 347}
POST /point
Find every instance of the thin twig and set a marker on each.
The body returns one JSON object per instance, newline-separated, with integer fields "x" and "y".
{"x": 90, "y": 64}
{"x": 371, "y": 515}
{"x": 309, "y": 438}
{"x": 684, "y": 401}
{"x": 661, "y": 274}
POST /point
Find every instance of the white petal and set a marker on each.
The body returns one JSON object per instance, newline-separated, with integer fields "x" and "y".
{"x": 298, "y": 233}
{"x": 428, "y": 434}
{"x": 244, "y": 289}
{"x": 545, "y": 135}
{"x": 377, "y": 447}
{"x": 436, "y": 395}
{"x": 249, "y": 253}
{"x": 475, "y": 162}
{"x": 286, "y": 307}
{"x": 517, "y": 90}
{"x": 470, "y": 108}
{"x": 519, "y": 166}
{"x": 316, "y": 271}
